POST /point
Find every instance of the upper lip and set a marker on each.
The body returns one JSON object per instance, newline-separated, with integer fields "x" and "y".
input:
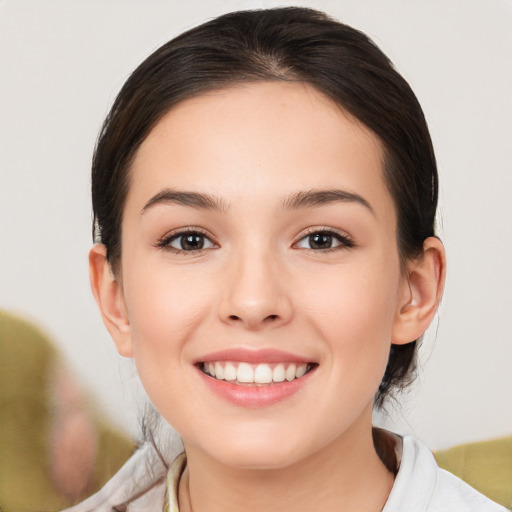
{"x": 244, "y": 355}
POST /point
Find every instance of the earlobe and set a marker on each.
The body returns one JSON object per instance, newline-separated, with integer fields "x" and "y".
{"x": 421, "y": 293}
{"x": 108, "y": 292}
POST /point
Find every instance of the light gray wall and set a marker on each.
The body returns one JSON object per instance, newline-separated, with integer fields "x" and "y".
{"x": 61, "y": 64}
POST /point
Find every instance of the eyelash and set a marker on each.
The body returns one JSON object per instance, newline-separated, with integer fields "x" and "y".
{"x": 166, "y": 240}
{"x": 344, "y": 241}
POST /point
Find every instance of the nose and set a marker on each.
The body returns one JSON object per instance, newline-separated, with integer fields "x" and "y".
{"x": 255, "y": 295}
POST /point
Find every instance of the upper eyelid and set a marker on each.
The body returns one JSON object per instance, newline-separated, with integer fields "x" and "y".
{"x": 346, "y": 240}
{"x": 175, "y": 233}
{"x": 322, "y": 229}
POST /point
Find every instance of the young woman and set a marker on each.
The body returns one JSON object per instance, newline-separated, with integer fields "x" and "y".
{"x": 264, "y": 191}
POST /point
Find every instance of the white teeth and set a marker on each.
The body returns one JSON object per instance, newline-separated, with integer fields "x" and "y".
{"x": 219, "y": 371}
{"x": 245, "y": 373}
{"x": 263, "y": 374}
{"x": 259, "y": 374}
{"x": 279, "y": 374}
{"x": 301, "y": 371}
{"x": 230, "y": 372}
{"x": 290, "y": 372}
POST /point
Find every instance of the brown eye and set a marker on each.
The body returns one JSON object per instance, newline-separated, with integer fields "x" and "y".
{"x": 324, "y": 241}
{"x": 320, "y": 241}
{"x": 189, "y": 241}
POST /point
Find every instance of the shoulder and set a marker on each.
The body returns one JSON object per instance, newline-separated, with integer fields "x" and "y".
{"x": 421, "y": 485}
{"x": 451, "y": 493}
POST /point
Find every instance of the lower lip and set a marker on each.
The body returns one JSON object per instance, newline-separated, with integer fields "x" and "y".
{"x": 255, "y": 396}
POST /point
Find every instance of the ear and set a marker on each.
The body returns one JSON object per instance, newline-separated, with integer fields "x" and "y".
{"x": 421, "y": 293}
{"x": 108, "y": 292}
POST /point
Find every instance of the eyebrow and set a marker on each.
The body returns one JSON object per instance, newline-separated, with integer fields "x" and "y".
{"x": 299, "y": 200}
{"x": 313, "y": 198}
{"x": 192, "y": 199}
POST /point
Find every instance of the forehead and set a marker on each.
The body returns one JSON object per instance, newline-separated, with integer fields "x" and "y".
{"x": 258, "y": 140}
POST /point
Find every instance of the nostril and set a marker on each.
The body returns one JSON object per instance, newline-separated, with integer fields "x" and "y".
{"x": 269, "y": 318}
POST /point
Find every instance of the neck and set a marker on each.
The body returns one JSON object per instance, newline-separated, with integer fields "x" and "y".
{"x": 347, "y": 474}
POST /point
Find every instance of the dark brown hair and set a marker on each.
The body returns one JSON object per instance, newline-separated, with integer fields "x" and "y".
{"x": 288, "y": 44}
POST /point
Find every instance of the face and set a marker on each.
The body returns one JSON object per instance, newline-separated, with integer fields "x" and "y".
{"x": 260, "y": 278}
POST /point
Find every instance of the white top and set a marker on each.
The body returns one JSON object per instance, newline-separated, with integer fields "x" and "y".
{"x": 420, "y": 486}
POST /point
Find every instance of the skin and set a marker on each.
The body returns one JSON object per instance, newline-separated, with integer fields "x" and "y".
{"x": 259, "y": 284}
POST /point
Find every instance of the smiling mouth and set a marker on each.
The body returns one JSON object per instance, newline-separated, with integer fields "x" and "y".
{"x": 255, "y": 374}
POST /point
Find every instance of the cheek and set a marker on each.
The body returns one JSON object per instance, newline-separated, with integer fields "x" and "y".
{"x": 164, "y": 307}
{"x": 354, "y": 310}
{"x": 166, "y": 311}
